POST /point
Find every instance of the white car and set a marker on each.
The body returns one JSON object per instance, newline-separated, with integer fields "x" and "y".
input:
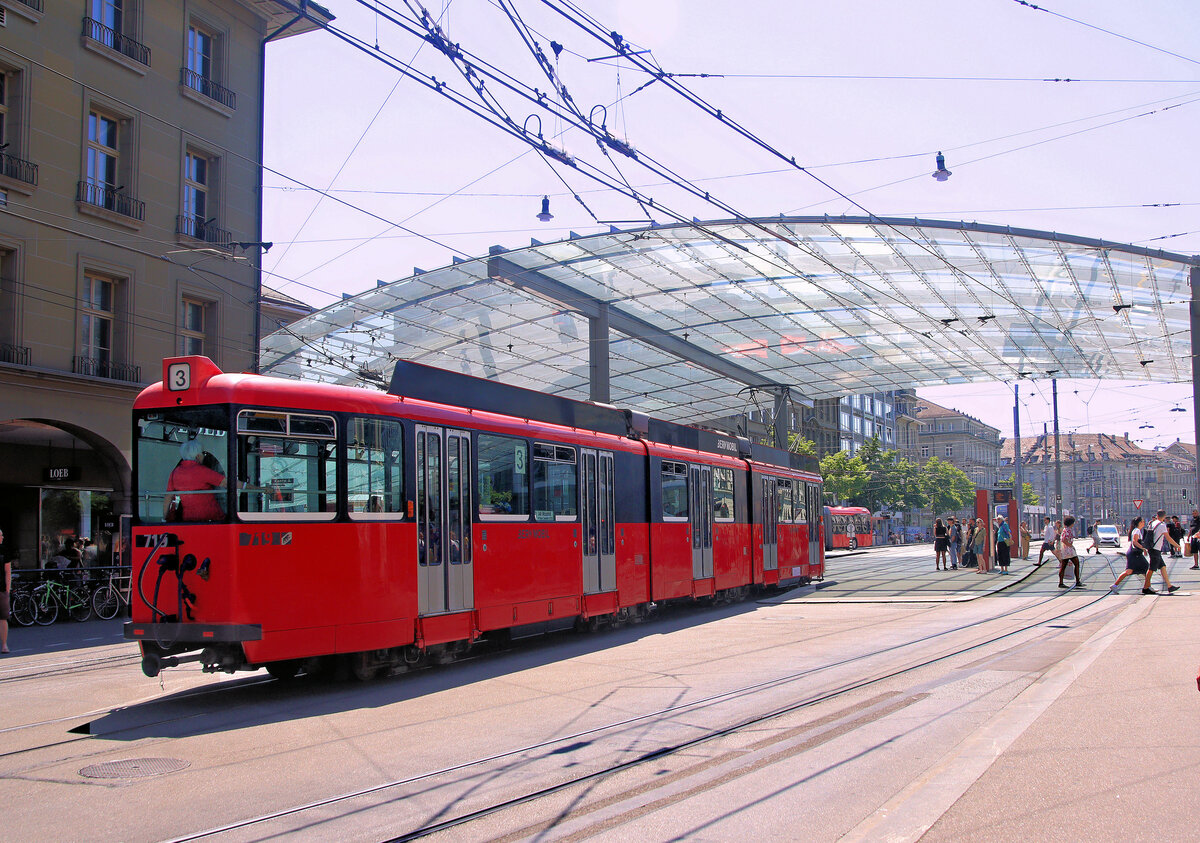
{"x": 1107, "y": 535}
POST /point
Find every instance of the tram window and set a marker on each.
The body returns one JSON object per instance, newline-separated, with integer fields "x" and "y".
{"x": 503, "y": 476}
{"x": 723, "y": 494}
{"x": 555, "y": 482}
{"x": 674, "y": 490}
{"x": 291, "y": 477}
{"x": 162, "y": 436}
{"x": 374, "y": 469}
{"x": 784, "y": 491}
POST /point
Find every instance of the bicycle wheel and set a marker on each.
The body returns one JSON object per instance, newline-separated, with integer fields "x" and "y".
{"x": 47, "y": 606}
{"x": 79, "y": 604}
{"x": 106, "y": 602}
{"x": 23, "y": 611}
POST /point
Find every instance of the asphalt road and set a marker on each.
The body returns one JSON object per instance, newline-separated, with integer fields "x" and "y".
{"x": 893, "y": 702}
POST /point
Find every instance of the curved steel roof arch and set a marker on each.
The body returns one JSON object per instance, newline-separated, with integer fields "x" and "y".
{"x": 699, "y": 325}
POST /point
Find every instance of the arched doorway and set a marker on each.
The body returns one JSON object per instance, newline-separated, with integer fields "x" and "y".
{"x": 61, "y": 482}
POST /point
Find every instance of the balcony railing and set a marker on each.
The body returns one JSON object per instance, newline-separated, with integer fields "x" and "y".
{"x": 19, "y": 169}
{"x": 203, "y": 85}
{"x": 110, "y": 199}
{"x": 100, "y": 368}
{"x": 199, "y": 229}
{"x": 18, "y": 354}
{"x": 112, "y": 39}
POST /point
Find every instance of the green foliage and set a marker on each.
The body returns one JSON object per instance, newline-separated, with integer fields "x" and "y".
{"x": 944, "y": 487}
{"x": 844, "y": 476}
{"x": 1028, "y": 496}
{"x": 797, "y": 444}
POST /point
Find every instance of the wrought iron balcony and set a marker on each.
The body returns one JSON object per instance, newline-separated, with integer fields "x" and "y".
{"x": 114, "y": 40}
{"x": 19, "y": 169}
{"x": 203, "y": 85}
{"x": 98, "y": 367}
{"x": 199, "y": 229}
{"x": 18, "y": 354}
{"x": 110, "y": 199}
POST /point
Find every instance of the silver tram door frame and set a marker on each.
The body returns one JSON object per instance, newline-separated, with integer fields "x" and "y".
{"x": 598, "y": 545}
{"x": 445, "y": 515}
{"x": 770, "y": 523}
{"x": 701, "y": 517}
{"x": 813, "y": 510}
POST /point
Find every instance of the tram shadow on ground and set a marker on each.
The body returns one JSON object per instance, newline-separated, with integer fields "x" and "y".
{"x": 256, "y": 699}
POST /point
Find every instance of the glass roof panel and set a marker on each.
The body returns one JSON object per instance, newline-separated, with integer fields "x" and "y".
{"x": 862, "y": 304}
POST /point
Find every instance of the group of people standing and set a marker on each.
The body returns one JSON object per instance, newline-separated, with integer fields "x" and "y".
{"x": 951, "y": 545}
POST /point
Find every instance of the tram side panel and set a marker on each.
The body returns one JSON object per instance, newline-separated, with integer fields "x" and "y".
{"x": 633, "y": 528}
{"x": 670, "y": 529}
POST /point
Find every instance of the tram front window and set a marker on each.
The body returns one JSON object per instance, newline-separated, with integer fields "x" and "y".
{"x": 181, "y": 456}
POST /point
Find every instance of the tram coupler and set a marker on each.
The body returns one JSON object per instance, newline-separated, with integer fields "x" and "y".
{"x": 153, "y": 664}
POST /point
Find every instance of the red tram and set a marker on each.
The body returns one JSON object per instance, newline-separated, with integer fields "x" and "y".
{"x": 848, "y": 527}
{"x": 383, "y": 529}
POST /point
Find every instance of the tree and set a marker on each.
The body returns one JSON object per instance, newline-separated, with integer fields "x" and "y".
{"x": 891, "y": 480}
{"x": 944, "y": 487}
{"x": 845, "y": 476}
{"x": 797, "y": 444}
{"x": 1028, "y": 496}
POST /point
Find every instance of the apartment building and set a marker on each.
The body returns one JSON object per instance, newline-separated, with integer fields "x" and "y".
{"x": 130, "y": 230}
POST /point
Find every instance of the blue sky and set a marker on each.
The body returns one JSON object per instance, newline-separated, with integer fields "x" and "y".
{"x": 861, "y": 92}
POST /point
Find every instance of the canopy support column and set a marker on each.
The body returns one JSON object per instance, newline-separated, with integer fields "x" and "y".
{"x": 598, "y": 369}
{"x": 783, "y": 417}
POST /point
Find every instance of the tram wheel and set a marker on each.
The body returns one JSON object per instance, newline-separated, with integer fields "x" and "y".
{"x": 284, "y": 670}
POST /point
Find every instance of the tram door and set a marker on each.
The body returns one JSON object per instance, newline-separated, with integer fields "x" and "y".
{"x": 598, "y": 512}
{"x": 813, "y": 510}
{"x": 770, "y": 523}
{"x": 701, "y": 510}
{"x": 444, "y": 519}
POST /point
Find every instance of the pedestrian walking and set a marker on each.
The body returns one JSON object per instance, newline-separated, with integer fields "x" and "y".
{"x": 1159, "y": 542}
{"x": 1003, "y": 544}
{"x": 940, "y": 545}
{"x": 979, "y": 547}
{"x": 1136, "y": 561}
{"x": 955, "y": 545}
{"x": 1177, "y": 532}
{"x": 1068, "y": 556}
{"x": 1048, "y": 537}
{"x": 1094, "y": 547}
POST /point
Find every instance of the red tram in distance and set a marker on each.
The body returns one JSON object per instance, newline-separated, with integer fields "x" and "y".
{"x": 848, "y": 527}
{"x": 292, "y": 525}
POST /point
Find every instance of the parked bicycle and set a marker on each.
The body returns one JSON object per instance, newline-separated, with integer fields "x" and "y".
{"x": 22, "y": 608}
{"x": 54, "y": 595}
{"x": 109, "y": 597}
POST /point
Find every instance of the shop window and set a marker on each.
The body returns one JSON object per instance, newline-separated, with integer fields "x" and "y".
{"x": 503, "y": 477}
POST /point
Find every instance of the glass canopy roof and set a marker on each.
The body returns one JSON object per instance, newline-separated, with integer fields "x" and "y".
{"x": 710, "y": 319}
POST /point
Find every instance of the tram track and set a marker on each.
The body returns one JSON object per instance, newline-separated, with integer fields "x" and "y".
{"x": 984, "y": 636}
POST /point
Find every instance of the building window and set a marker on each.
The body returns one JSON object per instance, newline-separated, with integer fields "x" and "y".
{"x": 202, "y": 68}
{"x": 16, "y": 171}
{"x": 96, "y": 320}
{"x": 112, "y": 23}
{"x": 199, "y": 200}
{"x": 106, "y": 166}
{"x": 924, "y": 452}
{"x": 193, "y": 331}
{"x": 949, "y": 451}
